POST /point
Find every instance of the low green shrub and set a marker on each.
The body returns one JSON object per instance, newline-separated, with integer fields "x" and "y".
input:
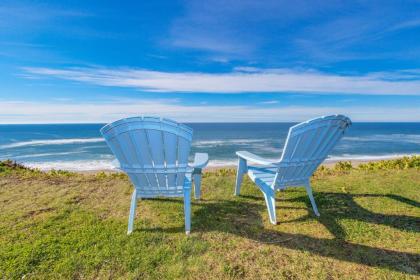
{"x": 400, "y": 163}
{"x": 10, "y": 164}
{"x": 343, "y": 166}
{"x": 59, "y": 172}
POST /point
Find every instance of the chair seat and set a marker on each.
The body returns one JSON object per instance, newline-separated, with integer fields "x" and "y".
{"x": 262, "y": 174}
{"x": 267, "y": 174}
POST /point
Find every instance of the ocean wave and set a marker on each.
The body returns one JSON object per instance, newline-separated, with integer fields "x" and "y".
{"x": 52, "y": 142}
{"x": 77, "y": 165}
{"x": 96, "y": 165}
{"x": 261, "y": 149}
{"x": 404, "y": 138}
{"x": 221, "y": 163}
{"x": 227, "y": 142}
{"x": 367, "y": 157}
{"x": 45, "y": 155}
{"x": 344, "y": 157}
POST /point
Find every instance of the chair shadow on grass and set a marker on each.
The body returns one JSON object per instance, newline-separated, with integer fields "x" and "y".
{"x": 242, "y": 217}
{"x": 337, "y": 206}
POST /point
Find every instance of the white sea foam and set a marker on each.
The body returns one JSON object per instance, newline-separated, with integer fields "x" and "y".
{"x": 52, "y": 142}
{"x": 221, "y": 163}
{"x": 344, "y": 157}
{"x": 95, "y": 165}
{"x": 44, "y": 155}
{"x": 367, "y": 157}
{"x": 404, "y": 138}
{"x": 228, "y": 142}
{"x": 77, "y": 165}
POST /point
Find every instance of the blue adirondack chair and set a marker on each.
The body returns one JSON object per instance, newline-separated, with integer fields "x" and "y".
{"x": 154, "y": 153}
{"x": 307, "y": 145}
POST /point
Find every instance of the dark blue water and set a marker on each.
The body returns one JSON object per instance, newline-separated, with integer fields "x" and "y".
{"x": 80, "y": 146}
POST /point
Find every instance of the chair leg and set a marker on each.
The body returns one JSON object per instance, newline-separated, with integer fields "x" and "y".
{"x": 197, "y": 185}
{"x": 270, "y": 200}
{"x": 241, "y": 170}
{"x": 187, "y": 210}
{"x": 132, "y": 212}
{"x": 311, "y": 198}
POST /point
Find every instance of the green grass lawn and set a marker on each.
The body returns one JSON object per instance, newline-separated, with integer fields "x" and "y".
{"x": 66, "y": 225}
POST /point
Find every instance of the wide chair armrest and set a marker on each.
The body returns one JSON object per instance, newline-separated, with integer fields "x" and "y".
{"x": 200, "y": 161}
{"x": 254, "y": 158}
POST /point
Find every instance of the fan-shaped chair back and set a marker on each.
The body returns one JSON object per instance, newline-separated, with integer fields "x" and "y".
{"x": 153, "y": 152}
{"x": 307, "y": 146}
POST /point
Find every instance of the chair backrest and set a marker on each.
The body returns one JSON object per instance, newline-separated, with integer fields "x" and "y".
{"x": 307, "y": 146}
{"x": 153, "y": 152}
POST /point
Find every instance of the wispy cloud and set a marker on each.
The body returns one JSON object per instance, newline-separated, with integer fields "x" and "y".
{"x": 408, "y": 24}
{"x": 257, "y": 80}
{"x": 61, "y": 112}
{"x": 308, "y": 30}
{"x": 356, "y": 31}
{"x": 236, "y": 28}
{"x": 23, "y": 25}
{"x": 15, "y": 15}
{"x": 269, "y": 102}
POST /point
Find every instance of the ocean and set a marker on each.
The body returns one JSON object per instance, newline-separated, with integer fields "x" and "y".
{"x": 80, "y": 146}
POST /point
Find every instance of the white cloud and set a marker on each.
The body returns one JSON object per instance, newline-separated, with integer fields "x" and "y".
{"x": 412, "y": 23}
{"x": 257, "y": 80}
{"x": 269, "y": 102}
{"x": 284, "y": 31}
{"x": 238, "y": 29}
{"x": 31, "y": 16}
{"x": 59, "y": 112}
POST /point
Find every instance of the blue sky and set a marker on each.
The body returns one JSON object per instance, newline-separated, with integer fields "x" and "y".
{"x": 204, "y": 61}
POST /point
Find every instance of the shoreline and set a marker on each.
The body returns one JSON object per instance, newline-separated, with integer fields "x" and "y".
{"x": 327, "y": 163}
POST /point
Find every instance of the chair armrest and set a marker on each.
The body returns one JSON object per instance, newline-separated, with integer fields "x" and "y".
{"x": 254, "y": 158}
{"x": 200, "y": 160}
